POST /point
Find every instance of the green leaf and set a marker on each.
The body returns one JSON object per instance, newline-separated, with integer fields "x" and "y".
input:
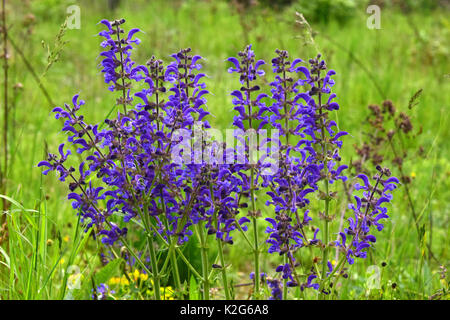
{"x": 5, "y": 255}
{"x": 193, "y": 289}
{"x": 107, "y": 272}
{"x": 25, "y": 212}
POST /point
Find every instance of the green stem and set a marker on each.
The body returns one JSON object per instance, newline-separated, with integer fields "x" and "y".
{"x": 204, "y": 255}
{"x": 224, "y": 271}
{"x": 173, "y": 259}
{"x": 337, "y": 268}
{"x": 178, "y": 251}
{"x": 4, "y": 174}
{"x": 327, "y": 199}
{"x": 130, "y": 250}
{"x": 255, "y": 232}
{"x": 188, "y": 264}
{"x": 252, "y": 196}
{"x": 244, "y": 235}
{"x": 410, "y": 201}
{"x": 220, "y": 248}
{"x": 285, "y": 291}
{"x": 31, "y": 70}
{"x": 176, "y": 273}
{"x": 156, "y": 276}
{"x": 155, "y": 272}
{"x": 325, "y": 233}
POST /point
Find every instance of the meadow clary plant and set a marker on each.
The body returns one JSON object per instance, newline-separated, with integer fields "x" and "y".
{"x": 129, "y": 180}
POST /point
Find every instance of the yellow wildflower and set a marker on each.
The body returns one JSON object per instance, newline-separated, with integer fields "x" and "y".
{"x": 137, "y": 275}
{"x": 134, "y": 275}
{"x": 143, "y": 276}
{"x": 114, "y": 281}
{"x": 168, "y": 293}
{"x": 124, "y": 281}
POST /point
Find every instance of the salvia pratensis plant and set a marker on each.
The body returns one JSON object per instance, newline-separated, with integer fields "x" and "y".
{"x": 137, "y": 176}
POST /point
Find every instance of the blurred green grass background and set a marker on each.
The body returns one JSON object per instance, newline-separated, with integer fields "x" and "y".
{"x": 409, "y": 52}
